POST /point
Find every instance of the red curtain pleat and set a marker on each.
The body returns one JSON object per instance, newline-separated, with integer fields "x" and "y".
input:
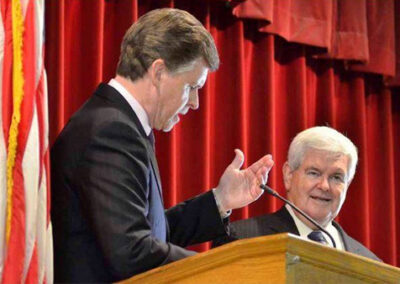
{"x": 396, "y": 80}
{"x": 55, "y": 65}
{"x": 357, "y": 30}
{"x": 396, "y": 158}
{"x": 349, "y": 31}
{"x": 302, "y": 21}
{"x": 265, "y": 91}
{"x": 349, "y": 35}
{"x": 381, "y": 38}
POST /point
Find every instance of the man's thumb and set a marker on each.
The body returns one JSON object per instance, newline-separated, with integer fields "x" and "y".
{"x": 238, "y": 160}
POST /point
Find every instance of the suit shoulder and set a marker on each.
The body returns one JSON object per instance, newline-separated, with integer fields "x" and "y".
{"x": 261, "y": 220}
{"x": 249, "y": 228}
{"x": 255, "y": 226}
{"x": 354, "y": 246}
{"x": 101, "y": 127}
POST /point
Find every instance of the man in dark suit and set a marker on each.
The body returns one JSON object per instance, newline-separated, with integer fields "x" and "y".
{"x": 107, "y": 207}
{"x": 321, "y": 164}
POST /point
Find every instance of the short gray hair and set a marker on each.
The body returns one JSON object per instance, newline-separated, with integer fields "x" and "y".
{"x": 170, "y": 34}
{"x": 326, "y": 139}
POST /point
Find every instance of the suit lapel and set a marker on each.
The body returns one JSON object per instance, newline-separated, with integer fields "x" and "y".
{"x": 109, "y": 93}
{"x": 154, "y": 165}
{"x": 285, "y": 222}
{"x": 343, "y": 236}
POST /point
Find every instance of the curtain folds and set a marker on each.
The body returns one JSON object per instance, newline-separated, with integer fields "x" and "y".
{"x": 266, "y": 90}
{"x": 358, "y": 30}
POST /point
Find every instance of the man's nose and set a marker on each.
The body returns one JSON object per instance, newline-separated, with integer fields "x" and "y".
{"x": 194, "y": 99}
{"x": 324, "y": 183}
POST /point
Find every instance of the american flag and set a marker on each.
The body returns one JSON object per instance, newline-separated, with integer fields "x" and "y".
{"x": 25, "y": 229}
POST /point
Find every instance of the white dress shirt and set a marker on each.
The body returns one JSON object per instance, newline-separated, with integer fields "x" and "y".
{"x": 304, "y": 230}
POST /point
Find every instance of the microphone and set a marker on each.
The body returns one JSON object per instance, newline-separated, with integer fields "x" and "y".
{"x": 274, "y": 193}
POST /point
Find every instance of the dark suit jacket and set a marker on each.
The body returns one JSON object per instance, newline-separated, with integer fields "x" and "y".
{"x": 107, "y": 209}
{"x": 282, "y": 222}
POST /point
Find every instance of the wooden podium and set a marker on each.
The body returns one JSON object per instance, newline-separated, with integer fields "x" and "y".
{"x": 282, "y": 258}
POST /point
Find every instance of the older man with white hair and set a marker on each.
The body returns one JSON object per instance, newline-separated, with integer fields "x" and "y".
{"x": 320, "y": 167}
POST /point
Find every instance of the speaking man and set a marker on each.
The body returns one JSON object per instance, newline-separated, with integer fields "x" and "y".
{"x": 107, "y": 206}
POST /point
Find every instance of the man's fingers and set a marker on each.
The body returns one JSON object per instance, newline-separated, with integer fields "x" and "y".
{"x": 265, "y": 161}
{"x": 265, "y": 174}
{"x": 262, "y": 175}
{"x": 238, "y": 160}
{"x": 256, "y": 190}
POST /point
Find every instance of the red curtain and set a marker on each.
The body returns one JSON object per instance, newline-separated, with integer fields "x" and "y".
{"x": 266, "y": 90}
{"x": 357, "y": 30}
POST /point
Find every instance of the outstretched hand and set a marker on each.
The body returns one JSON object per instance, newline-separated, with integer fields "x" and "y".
{"x": 238, "y": 188}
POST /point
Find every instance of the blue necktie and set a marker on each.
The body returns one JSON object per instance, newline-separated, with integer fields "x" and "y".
{"x": 317, "y": 236}
{"x": 152, "y": 139}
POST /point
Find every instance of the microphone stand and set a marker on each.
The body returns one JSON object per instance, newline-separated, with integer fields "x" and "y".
{"x": 274, "y": 193}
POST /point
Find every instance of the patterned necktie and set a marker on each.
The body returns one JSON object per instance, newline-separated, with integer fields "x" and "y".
{"x": 317, "y": 236}
{"x": 152, "y": 139}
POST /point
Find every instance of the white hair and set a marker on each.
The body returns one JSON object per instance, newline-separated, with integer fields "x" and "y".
{"x": 326, "y": 139}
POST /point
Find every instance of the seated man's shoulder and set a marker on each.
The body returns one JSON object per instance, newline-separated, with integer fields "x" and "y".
{"x": 246, "y": 224}
{"x": 250, "y": 228}
{"x": 354, "y": 246}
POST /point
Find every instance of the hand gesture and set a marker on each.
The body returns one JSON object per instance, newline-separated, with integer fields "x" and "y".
{"x": 238, "y": 188}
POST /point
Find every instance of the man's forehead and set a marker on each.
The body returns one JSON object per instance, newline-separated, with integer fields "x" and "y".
{"x": 316, "y": 157}
{"x": 191, "y": 66}
{"x": 202, "y": 78}
{"x": 198, "y": 75}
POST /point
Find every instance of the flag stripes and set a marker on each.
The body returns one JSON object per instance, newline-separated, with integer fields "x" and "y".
{"x": 25, "y": 228}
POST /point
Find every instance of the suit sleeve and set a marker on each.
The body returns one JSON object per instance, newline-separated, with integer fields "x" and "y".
{"x": 196, "y": 220}
{"x": 112, "y": 180}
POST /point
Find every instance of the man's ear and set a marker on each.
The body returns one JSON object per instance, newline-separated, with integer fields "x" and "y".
{"x": 156, "y": 70}
{"x": 287, "y": 176}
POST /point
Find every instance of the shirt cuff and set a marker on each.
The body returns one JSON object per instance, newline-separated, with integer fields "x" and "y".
{"x": 224, "y": 214}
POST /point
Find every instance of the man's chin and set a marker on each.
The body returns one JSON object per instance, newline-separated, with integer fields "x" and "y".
{"x": 170, "y": 124}
{"x": 322, "y": 220}
{"x": 168, "y": 127}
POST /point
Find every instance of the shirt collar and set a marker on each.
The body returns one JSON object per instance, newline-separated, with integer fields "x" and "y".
{"x": 136, "y": 107}
{"x": 304, "y": 230}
